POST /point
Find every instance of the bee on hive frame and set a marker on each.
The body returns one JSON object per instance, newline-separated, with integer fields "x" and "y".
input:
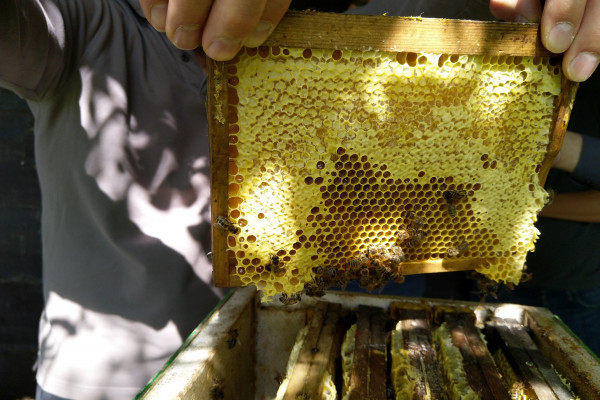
{"x": 485, "y": 286}
{"x": 226, "y": 224}
{"x": 216, "y": 390}
{"x": 233, "y": 338}
{"x": 416, "y": 238}
{"x": 451, "y": 196}
{"x": 414, "y": 221}
{"x": 370, "y": 278}
{"x": 402, "y": 234}
{"x": 290, "y": 300}
{"x": 313, "y": 290}
{"x": 275, "y": 265}
{"x": 458, "y": 250}
{"x": 516, "y": 390}
{"x": 342, "y": 280}
{"x": 279, "y": 378}
{"x": 375, "y": 252}
{"x": 396, "y": 255}
{"x": 358, "y": 261}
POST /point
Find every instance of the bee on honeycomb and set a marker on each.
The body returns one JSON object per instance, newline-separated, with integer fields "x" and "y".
{"x": 226, "y": 224}
{"x": 275, "y": 265}
{"x": 359, "y": 261}
{"x": 415, "y": 238}
{"x": 451, "y": 196}
{"x": 455, "y": 251}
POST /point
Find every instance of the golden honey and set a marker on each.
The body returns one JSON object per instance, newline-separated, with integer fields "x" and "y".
{"x": 332, "y": 151}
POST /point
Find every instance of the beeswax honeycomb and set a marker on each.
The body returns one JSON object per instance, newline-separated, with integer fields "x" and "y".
{"x": 334, "y": 153}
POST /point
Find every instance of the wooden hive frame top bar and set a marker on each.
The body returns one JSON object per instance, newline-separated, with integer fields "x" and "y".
{"x": 372, "y": 34}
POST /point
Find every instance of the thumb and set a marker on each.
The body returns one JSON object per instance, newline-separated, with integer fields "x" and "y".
{"x": 517, "y": 10}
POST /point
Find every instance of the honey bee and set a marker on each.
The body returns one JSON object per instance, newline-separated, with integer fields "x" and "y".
{"x": 226, "y": 224}
{"x": 313, "y": 290}
{"x": 551, "y": 196}
{"x": 451, "y": 196}
{"x": 358, "y": 262}
{"x": 402, "y": 234}
{"x": 330, "y": 272}
{"x": 526, "y": 276}
{"x": 458, "y": 250}
{"x": 486, "y": 287}
{"x": 279, "y": 378}
{"x": 397, "y": 253}
{"x": 416, "y": 238}
{"x": 216, "y": 389}
{"x": 414, "y": 221}
{"x": 290, "y": 300}
{"x": 233, "y": 338}
{"x": 371, "y": 279}
{"x": 374, "y": 251}
{"x": 516, "y": 390}
{"x": 342, "y": 280}
{"x": 275, "y": 265}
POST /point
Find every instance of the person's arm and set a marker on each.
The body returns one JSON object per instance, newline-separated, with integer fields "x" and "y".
{"x": 579, "y": 157}
{"x": 569, "y": 26}
{"x": 222, "y": 27}
{"x": 578, "y": 206}
{"x": 31, "y": 48}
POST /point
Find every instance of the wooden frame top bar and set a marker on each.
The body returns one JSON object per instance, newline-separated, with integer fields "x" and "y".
{"x": 411, "y": 34}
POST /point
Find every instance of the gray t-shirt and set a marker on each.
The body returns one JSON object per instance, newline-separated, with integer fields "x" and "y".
{"x": 122, "y": 155}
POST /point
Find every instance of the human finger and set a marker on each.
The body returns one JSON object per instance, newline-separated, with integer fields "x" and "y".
{"x": 155, "y": 12}
{"x": 516, "y": 10}
{"x": 234, "y": 23}
{"x": 186, "y": 22}
{"x": 583, "y": 55}
{"x": 560, "y": 23}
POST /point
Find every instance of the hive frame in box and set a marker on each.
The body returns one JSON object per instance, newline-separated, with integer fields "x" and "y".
{"x": 265, "y": 334}
{"x": 373, "y": 33}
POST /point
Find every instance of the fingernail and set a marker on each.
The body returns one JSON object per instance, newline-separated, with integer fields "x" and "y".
{"x": 582, "y": 66}
{"x": 260, "y": 34}
{"x": 223, "y": 49}
{"x": 187, "y": 37}
{"x": 560, "y": 37}
{"x": 158, "y": 16}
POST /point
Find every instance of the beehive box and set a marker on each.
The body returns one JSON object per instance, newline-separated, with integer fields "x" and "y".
{"x": 417, "y": 348}
{"x": 370, "y": 147}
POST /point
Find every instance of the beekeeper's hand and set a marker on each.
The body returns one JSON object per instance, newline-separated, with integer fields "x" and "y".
{"x": 569, "y": 26}
{"x": 221, "y": 27}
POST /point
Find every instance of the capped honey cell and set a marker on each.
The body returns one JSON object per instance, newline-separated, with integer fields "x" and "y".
{"x": 335, "y": 153}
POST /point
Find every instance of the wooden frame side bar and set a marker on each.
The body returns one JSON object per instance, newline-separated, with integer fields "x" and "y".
{"x": 216, "y": 103}
{"x": 560, "y": 120}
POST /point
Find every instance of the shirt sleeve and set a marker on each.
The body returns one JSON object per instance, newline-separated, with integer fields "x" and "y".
{"x": 587, "y": 170}
{"x": 32, "y": 47}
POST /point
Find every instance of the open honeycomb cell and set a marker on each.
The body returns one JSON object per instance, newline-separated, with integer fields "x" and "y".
{"x": 333, "y": 153}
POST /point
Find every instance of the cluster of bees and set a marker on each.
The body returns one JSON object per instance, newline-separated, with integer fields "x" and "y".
{"x": 375, "y": 266}
{"x": 487, "y": 287}
{"x": 372, "y": 269}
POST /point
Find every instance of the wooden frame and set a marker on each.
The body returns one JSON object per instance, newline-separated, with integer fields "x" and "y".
{"x": 207, "y": 355}
{"x": 380, "y": 33}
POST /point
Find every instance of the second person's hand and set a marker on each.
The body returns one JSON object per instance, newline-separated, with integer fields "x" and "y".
{"x": 569, "y": 26}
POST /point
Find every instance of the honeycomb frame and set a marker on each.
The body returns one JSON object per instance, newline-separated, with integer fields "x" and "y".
{"x": 409, "y": 39}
